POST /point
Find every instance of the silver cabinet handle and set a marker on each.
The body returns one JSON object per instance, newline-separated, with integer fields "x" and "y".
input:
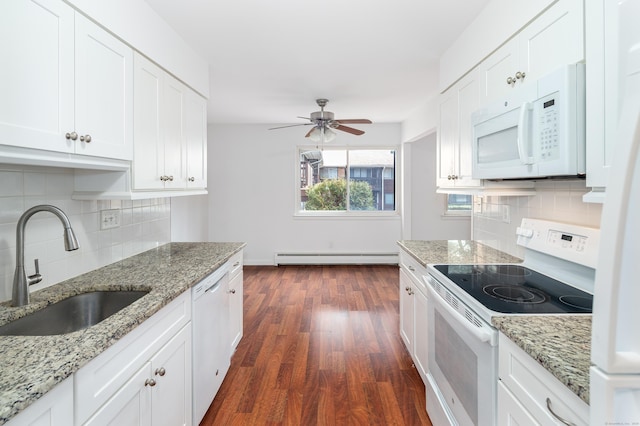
{"x": 411, "y": 268}
{"x": 520, "y": 75}
{"x": 160, "y": 371}
{"x": 511, "y": 80}
{"x": 560, "y": 419}
{"x": 85, "y": 138}
{"x": 232, "y": 291}
{"x": 150, "y": 382}
{"x": 192, "y": 179}
{"x": 236, "y": 264}
{"x": 72, "y": 136}
{"x": 170, "y": 178}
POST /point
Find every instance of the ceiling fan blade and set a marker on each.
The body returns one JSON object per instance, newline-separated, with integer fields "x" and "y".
{"x": 290, "y": 125}
{"x": 308, "y": 133}
{"x": 349, "y": 130}
{"x": 354, "y": 121}
{"x": 304, "y": 118}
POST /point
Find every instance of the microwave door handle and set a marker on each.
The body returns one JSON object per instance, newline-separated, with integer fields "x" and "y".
{"x": 524, "y": 124}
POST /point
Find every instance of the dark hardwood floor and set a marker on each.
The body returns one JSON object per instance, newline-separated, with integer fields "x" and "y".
{"x": 321, "y": 346}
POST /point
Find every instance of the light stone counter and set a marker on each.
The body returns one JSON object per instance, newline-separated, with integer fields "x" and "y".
{"x": 31, "y": 366}
{"x": 454, "y": 252}
{"x": 560, "y": 343}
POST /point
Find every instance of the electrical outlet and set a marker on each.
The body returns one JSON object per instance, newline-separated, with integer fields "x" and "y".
{"x": 109, "y": 219}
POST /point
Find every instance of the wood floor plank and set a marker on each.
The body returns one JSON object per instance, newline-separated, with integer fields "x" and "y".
{"x": 321, "y": 346}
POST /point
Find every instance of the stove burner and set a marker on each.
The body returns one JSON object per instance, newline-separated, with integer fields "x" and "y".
{"x": 515, "y": 293}
{"x": 580, "y": 302}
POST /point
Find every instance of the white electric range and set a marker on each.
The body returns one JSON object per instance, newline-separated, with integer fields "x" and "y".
{"x": 555, "y": 278}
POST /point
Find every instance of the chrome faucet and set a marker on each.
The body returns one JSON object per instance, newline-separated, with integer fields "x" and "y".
{"x": 21, "y": 281}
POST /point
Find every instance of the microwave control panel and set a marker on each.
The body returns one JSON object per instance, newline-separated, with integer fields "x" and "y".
{"x": 548, "y": 128}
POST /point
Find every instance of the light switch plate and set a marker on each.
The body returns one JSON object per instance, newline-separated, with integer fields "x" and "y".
{"x": 109, "y": 219}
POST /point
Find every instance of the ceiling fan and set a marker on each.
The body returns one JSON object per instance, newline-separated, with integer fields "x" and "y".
{"x": 323, "y": 124}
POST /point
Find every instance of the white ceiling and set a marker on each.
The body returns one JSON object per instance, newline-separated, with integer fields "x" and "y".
{"x": 270, "y": 60}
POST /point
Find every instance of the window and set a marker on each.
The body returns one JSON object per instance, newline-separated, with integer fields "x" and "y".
{"x": 347, "y": 180}
{"x": 459, "y": 204}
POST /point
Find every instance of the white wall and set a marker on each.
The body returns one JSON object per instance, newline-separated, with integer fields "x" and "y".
{"x": 559, "y": 201}
{"x": 424, "y": 219}
{"x": 145, "y": 224}
{"x": 252, "y": 194}
{"x": 190, "y": 218}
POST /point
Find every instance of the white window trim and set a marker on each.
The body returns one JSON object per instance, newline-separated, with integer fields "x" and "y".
{"x": 346, "y": 214}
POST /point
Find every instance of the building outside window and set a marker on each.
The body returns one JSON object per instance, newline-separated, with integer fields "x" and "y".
{"x": 347, "y": 180}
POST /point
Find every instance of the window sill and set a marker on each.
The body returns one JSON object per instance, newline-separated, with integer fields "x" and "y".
{"x": 348, "y": 215}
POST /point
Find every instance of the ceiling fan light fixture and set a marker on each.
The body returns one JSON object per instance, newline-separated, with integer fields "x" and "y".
{"x": 322, "y": 134}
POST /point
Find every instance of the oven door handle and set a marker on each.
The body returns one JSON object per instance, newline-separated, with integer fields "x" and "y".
{"x": 481, "y": 333}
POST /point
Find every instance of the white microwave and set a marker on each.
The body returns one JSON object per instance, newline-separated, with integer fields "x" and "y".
{"x": 539, "y": 131}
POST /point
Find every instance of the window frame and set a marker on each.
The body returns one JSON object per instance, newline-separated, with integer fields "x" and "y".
{"x": 360, "y": 214}
{"x": 457, "y": 213}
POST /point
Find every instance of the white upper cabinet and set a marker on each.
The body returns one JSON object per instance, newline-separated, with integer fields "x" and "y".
{"x": 170, "y": 132}
{"x": 37, "y": 75}
{"x": 103, "y": 92}
{"x": 454, "y": 133}
{"x": 68, "y": 84}
{"x": 195, "y": 128}
{"x": 602, "y": 95}
{"x": 553, "y": 39}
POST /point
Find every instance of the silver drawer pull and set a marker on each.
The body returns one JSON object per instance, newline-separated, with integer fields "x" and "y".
{"x": 560, "y": 419}
{"x": 411, "y": 268}
{"x": 149, "y": 382}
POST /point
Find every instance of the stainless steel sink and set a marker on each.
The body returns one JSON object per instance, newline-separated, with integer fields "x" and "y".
{"x": 75, "y": 313}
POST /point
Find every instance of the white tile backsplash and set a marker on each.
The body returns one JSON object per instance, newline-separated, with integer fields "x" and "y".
{"x": 559, "y": 201}
{"x": 145, "y": 224}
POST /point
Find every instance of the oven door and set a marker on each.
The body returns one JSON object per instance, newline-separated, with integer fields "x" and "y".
{"x": 463, "y": 362}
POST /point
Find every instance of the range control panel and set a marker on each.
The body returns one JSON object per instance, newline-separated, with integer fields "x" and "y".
{"x": 575, "y": 243}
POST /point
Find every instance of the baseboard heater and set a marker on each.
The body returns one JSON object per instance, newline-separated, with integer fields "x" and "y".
{"x": 297, "y": 258}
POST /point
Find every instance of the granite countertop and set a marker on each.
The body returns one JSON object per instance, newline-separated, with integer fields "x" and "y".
{"x": 30, "y": 366}
{"x": 454, "y": 251}
{"x": 560, "y": 343}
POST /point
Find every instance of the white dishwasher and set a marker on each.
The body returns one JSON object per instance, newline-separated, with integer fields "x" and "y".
{"x": 210, "y": 324}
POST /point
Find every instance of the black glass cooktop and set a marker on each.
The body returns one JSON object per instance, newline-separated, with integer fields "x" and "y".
{"x": 515, "y": 289}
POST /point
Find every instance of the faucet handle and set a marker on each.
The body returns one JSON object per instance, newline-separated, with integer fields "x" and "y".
{"x": 35, "y": 278}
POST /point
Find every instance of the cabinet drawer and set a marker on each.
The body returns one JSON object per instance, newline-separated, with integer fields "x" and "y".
{"x": 531, "y": 384}
{"x": 235, "y": 265}
{"x": 101, "y": 378}
{"x": 415, "y": 270}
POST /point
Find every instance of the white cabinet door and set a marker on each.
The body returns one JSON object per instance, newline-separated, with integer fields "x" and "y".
{"x": 447, "y": 137}
{"x": 130, "y": 405}
{"x": 454, "y": 133}
{"x": 53, "y": 409}
{"x": 37, "y": 74}
{"x": 602, "y": 80}
{"x": 510, "y": 411}
{"x": 497, "y": 74}
{"x": 420, "y": 344}
{"x": 236, "y": 289}
{"x": 554, "y": 39}
{"x": 103, "y": 92}
{"x": 468, "y": 102}
{"x": 172, "y": 104}
{"x": 195, "y": 127}
{"x": 406, "y": 310}
{"x": 148, "y": 153}
{"x": 171, "y": 370}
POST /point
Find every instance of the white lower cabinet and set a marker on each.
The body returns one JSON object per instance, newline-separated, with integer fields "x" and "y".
{"x": 145, "y": 378}
{"x": 158, "y": 394}
{"x": 528, "y": 394}
{"x": 236, "y": 296}
{"x": 53, "y": 409}
{"x": 413, "y": 311}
